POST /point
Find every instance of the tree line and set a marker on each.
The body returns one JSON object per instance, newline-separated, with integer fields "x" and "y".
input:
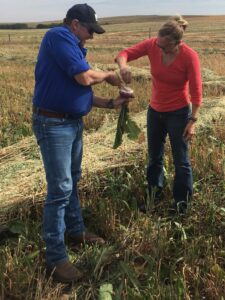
{"x": 14, "y": 26}
{"x": 25, "y": 26}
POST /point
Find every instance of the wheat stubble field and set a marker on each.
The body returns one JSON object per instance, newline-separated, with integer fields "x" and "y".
{"x": 147, "y": 256}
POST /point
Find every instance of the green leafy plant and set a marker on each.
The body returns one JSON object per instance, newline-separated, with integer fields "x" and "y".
{"x": 106, "y": 291}
{"x": 125, "y": 125}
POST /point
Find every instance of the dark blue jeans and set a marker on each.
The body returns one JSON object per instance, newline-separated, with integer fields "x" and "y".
{"x": 60, "y": 142}
{"x": 173, "y": 123}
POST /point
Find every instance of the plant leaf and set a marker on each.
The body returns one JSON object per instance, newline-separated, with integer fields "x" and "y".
{"x": 120, "y": 126}
{"x": 17, "y": 227}
{"x": 132, "y": 129}
{"x": 130, "y": 274}
{"x": 106, "y": 291}
{"x": 33, "y": 255}
{"x": 125, "y": 124}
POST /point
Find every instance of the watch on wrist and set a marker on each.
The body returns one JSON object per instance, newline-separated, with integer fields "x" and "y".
{"x": 193, "y": 119}
{"x": 110, "y": 104}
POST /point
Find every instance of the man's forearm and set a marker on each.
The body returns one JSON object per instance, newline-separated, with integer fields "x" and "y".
{"x": 100, "y": 102}
{"x": 91, "y": 77}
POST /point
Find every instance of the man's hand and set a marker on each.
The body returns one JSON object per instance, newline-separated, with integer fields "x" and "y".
{"x": 119, "y": 101}
{"x": 113, "y": 79}
{"x": 189, "y": 130}
{"x": 126, "y": 74}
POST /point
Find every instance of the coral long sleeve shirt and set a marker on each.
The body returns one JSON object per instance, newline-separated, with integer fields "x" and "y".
{"x": 175, "y": 85}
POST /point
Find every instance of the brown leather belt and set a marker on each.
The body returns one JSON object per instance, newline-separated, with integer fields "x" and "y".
{"x": 50, "y": 114}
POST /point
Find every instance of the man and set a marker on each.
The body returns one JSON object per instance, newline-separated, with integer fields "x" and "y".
{"x": 62, "y": 96}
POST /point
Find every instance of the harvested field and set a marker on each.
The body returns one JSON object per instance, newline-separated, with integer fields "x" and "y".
{"x": 146, "y": 256}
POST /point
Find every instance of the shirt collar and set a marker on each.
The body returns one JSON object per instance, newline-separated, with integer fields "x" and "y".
{"x": 77, "y": 40}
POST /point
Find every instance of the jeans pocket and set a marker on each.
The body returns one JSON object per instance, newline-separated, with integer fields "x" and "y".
{"x": 53, "y": 121}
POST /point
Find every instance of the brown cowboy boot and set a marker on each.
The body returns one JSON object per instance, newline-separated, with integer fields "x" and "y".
{"x": 65, "y": 272}
{"x": 87, "y": 238}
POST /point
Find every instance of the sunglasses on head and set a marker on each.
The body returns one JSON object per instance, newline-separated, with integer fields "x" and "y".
{"x": 163, "y": 48}
{"x": 169, "y": 45}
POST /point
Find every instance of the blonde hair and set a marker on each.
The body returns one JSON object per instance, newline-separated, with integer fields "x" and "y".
{"x": 172, "y": 31}
{"x": 180, "y": 21}
{"x": 174, "y": 28}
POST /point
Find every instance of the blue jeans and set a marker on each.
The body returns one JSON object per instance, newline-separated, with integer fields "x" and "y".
{"x": 173, "y": 123}
{"x": 60, "y": 142}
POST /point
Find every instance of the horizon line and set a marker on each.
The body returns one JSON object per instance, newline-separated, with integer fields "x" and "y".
{"x": 120, "y": 16}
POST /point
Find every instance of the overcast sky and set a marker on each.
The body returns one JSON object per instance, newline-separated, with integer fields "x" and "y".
{"x": 49, "y": 10}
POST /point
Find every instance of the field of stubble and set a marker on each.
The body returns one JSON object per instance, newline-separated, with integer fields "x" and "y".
{"x": 147, "y": 256}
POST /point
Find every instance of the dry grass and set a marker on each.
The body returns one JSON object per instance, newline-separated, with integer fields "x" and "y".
{"x": 21, "y": 170}
{"x": 146, "y": 256}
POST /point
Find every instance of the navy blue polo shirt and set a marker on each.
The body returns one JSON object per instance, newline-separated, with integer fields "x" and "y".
{"x": 59, "y": 59}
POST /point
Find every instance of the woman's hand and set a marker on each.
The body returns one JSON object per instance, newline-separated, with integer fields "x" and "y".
{"x": 125, "y": 74}
{"x": 189, "y": 130}
{"x": 113, "y": 79}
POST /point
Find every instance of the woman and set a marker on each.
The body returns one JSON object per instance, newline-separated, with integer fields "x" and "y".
{"x": 176, "y": 82}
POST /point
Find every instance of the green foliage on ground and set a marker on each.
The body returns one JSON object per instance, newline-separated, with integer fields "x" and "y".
{"x": 147, "y": 256}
